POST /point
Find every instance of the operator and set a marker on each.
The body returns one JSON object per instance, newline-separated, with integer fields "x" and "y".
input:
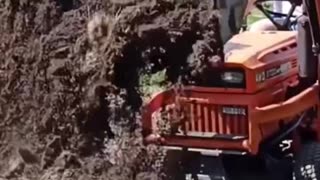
{"x": 234, "y": 12}
{"x": 282, "y": 7}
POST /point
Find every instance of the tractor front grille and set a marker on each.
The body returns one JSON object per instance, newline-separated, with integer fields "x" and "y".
{"x": 210, "y": 120}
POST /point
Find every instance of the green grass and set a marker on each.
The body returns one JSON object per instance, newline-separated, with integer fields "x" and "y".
{"x": 152, "y": 83}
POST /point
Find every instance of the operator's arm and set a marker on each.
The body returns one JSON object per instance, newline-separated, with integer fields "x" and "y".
{"x": 232, "y": 13}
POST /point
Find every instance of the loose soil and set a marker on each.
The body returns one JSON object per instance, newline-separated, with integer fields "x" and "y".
{"x": 69, "y": 81}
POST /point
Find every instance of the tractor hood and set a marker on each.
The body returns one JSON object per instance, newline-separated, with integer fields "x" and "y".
{"x": 248, "y": 48}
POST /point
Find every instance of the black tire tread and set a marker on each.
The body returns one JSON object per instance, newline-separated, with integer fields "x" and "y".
{"x": 309, "y": 155}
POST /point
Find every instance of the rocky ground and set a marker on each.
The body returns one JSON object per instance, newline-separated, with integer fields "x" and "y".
{"x": 70, "y": 96}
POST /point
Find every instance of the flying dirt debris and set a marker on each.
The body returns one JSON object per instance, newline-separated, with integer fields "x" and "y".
{"x": 69, "y": 76}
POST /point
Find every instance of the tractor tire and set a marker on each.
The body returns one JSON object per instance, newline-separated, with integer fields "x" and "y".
{"x": 307, "y": 165}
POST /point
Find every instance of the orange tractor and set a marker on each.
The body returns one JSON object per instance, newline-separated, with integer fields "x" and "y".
{"x": 263, "y": 106}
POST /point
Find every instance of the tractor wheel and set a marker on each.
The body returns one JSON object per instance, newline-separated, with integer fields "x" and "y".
{"x": 307, "y": 165}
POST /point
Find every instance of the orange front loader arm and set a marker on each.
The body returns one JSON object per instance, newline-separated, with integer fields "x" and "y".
{"x": 287, "y": 109}
{"x": 283, "y": 110}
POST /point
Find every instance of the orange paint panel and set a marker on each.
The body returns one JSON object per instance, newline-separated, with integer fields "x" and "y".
{"x": 188, "y": 122}
{"x": 220, "y": 121}
{"x": 228, "y": 121}
{"x": 192, "y": 111}
{"x": 206, "y": 119}
{"x": 199, "y": 118}
{"x": 213, "y": 119}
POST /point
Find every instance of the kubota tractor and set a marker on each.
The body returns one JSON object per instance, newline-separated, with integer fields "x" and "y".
{"x": 263, "y": 106}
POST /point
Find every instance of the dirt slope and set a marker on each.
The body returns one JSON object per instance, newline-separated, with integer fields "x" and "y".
{"x": 69, "y": 104}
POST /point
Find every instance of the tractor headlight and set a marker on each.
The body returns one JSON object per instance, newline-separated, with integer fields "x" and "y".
{"x": 232, "y": 77}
